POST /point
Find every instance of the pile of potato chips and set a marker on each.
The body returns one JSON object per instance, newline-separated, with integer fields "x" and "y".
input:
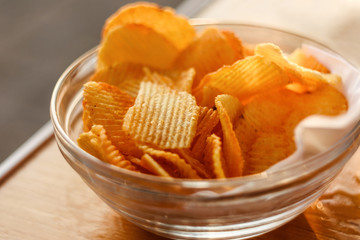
{"x": 167, "y": 101}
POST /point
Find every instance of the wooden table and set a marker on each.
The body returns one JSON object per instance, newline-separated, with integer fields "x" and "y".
{"x": 45, "y": 199}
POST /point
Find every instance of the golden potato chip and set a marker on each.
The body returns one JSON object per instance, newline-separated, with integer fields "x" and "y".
{"x": 268, "y": 149}
{"x": 97, "y": 144}
{"x": 229, "y": 108}
{"x": 106, "y": 105}
{"x": 301, "y": 58}
{"x": 177, "y": 29}
{"x": 172, "y": 163}
{"x": 213, "y": 158}
{"x": 245, "y": 78}
{"x": 310, "y": 78}
{"x": 210, "y": 51}
{"x": 324, "y": 101}
{"x": 206, "y": 96}
{"x": 208, "y": 119}
{"x": 136, "y": 43}
{"x": 152, "y": 166}
{"x": 183, "y": 79}
{"x": 126, "y": 76}
{"x": 155, "y": 77}
{"x": 162, "y": 116}
{"x": 198, "y": 166}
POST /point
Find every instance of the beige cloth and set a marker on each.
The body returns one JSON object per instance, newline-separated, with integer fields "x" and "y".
{"x": 336, "y": 23}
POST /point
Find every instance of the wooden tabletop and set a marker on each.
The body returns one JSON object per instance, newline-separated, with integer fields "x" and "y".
{"x": 46, "y": 199}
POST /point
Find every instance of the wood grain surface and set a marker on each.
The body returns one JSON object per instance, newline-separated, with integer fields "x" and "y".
{"x": 46, "y": 199}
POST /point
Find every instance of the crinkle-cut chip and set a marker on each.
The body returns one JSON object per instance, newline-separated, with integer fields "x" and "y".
{"x": 245, "y": 78}
{"x": 307, "y": 77}
{"x": 155, "y": 77}
{"x": 268, "y": 149}
{"x": 177, "y": 29}
{"x": 152, "y": 166}
{"x": 172, "y": 163}
{"x": 87, "y": 123}
{"x": 126, "y": 76}
{"x": 229, "y": 108}
{"x": 210, "y": 51}
{"x": 136, "y": 43}
{"x": 175, "y": 79}
{"x": 323, "y": 101}
{"x": 162, "y": 117}
{"x": 183, "y": 79}
{"x": 97, "y": 144}
{"x": 213, "y": 158}
{"x": 269, "y": 110}
{"x": 197, "y": 165}
{"x": 264, "y": 112}
{"x": 301, "y": 58}
{"x": 208, "y": 119}
{"x": 106, "y": 105}
{"x": 206, "y": 96}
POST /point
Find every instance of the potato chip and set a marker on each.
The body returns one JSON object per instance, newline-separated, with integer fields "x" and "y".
{"x": 245, "y": 78}
{"x": 162, "y": 116}
{"x": 268, "y": 149}
{"x": 152, "y": 166}
{"x": 210, "y": 51}
{"x": 208, "y": 119}
{"x": 324, "y": 101}
{"x": 172, "y": 163}
{"x": 229, "y": 108}
{"x": 197, "y": 165}
{"x": 177, "y": 29}
{"x": 266, "y": 112}
{"x": 183, "y": 79}
{"x": 301, "y": 58}
{"x": 155, "y": 77}
{"x": 310, "y": 78}
{"x": 126, "y": 76}
{"x": 213, "y": 158}
{"x": 97, "y": 144}
{"x": 106, "y": 105}
{"x": 136, "y": 43}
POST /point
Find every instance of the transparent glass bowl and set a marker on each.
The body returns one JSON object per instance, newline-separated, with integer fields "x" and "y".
{"x": 197, "y": 209}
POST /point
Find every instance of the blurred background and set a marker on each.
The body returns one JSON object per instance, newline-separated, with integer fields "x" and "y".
{"x": 38, "y": 40}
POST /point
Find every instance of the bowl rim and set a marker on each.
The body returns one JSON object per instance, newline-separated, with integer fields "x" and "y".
{"x": 259, "y": 182}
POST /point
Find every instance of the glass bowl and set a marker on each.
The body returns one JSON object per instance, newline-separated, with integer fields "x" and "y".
{"x": 198, "y": 209}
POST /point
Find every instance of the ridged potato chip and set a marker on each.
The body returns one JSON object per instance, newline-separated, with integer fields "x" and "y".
{"x": 245, "y": 78}
{"x": 172, "y": 163}
{"x": 163, "y": 20}
{"x": 324, "y": 101}
{"x": 162, "y": 117}
{"x": 136, "y": 43}
{"x": 213, "y": 158}
{"x": 268, "y": 149}
{"x": 207, "y": 121}
{"x": 310, "y": 78}
{"x": 97, "y": 144}
{"x": 229, "y": 108}
{"x": 153, "y": 166}
{"x": 301, "y": 58}
{"x": 126, "y": 76}
{"x": 106, "y": 105}
{"x": 197, "y": 165}
{"x": 210, "y": 51}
